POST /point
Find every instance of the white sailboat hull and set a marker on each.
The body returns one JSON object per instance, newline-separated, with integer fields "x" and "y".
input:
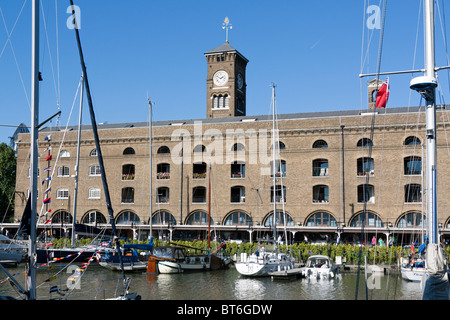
{"x": 413, "y": 274}
{"x": 136, "y": 266}
{"x": 176, "y": 267}
{"x": 263, "y": 266}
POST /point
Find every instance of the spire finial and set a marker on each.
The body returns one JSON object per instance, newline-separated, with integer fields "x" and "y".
{"x": 226, "y": 25}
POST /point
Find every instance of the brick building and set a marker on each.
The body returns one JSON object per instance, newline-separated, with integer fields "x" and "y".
{"x": 334, "y": 173}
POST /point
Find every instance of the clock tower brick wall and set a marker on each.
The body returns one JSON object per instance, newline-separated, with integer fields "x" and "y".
{"x": 234, "y": 64}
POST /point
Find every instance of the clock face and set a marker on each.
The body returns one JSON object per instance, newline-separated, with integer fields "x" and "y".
{"x": 240, "y": 81}
{"x": 220, "y": 78}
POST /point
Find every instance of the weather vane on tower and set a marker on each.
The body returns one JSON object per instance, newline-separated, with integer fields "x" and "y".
{"x": 226, "y": 25}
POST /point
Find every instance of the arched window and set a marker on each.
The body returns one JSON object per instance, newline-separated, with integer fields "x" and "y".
{"x": 162, "y": 195}
{"x": 93, "y": 153}
{"x": 368, "y": 219}
{"x": 64, "y": 154}
{"x": 320, "y": 144}
{"x": 199, "y": 195}
{"x": 238, "y": 147}
{"x": 320, "y": 168}
{"x": 127, "y": 195}
{"x": 281, "y": 145}
{"x": 163, "y": 149}
{"x": 279, "y": 219}
{"x": 198, "y": 217}
{"x": 128, "y": 172}
{"x": 238, "y": 218}
{"x": 128, "y": 150}
{"x": 364, "y": 142}
{"x": 164, "y": 217}
{"x": 199, "y": 148}
{"x": 93, "y": 217}
{"x": 411, "y": 220}
{"x": 163, "y": 171}
{"x": 411, "y": 141}
{"x": 62, "y": 217}
{"x": 128, "y": 217}
{"x": 321, "y": 219}
{"x": 413, "y": 192}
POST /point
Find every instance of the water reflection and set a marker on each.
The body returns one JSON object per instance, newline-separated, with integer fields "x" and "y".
{"x": 249, "y": 289}
{"x": 229, "y": 285}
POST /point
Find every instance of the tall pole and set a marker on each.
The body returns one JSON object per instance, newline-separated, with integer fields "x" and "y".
{"x": 150, "y": 163}
{"x": 430, "y": 123}
{"x": 274, "y": 219}
{"x": 75, "y": 195}
{"x": 97, "y": 141}
{"x": 31, "y": 275}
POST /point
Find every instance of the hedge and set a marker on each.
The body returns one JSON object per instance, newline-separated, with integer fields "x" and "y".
{"x": 301, "y": 251}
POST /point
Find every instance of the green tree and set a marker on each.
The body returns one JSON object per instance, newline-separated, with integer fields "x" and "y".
{"x": 7, "y": 182}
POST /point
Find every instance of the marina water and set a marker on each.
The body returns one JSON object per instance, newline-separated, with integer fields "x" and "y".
{"x": 220, "y": 285}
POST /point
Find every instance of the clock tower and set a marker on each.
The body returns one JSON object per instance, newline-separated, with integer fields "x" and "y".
{"x": 225, "y": 82}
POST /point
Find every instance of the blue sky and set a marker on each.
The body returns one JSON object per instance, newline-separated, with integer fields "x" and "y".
{"x": 311, "y": 49}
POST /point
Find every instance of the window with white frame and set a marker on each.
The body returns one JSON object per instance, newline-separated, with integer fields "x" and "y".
{"x": 62, "y": 193}
{"x": 94, "y": 193}
{"x": 63, "y": 171}
{"x": 94, "y": 170}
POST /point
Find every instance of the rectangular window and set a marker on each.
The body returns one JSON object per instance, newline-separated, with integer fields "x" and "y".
{"x": 62, "y": 193}
{"x": 94, "y": 170}
{"x": 94, "y": 193}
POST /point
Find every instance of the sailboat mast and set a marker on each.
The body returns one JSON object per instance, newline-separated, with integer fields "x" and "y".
{"x": 31, "y": 275}
{"x": 97, "y": 139}
{"x": 150, "y": 164}
{"x": 431, "y": 123}
{"x": 75, "y": 196}
{"x": 274, "y": 220}
{"x": 209, "y": 206}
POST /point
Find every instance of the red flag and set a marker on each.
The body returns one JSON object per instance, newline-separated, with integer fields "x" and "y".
{"x": 48, "y": 158}
{"x": 383, "y": 95}
{"x": 412, "y": 249}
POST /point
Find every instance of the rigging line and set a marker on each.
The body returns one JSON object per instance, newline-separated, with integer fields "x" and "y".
{"x": 15, "y": 60}
{"x": 57, "y": 55}
{"x": 62, "y": 140}
{"x": 14, "y": 26}
{"x": 49, "y": 53}
{"x": 380, "y": 47}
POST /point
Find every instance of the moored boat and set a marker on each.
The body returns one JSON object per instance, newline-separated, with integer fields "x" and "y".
{"x": 263, "y": 263}
{"x": 319, "y": 267}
